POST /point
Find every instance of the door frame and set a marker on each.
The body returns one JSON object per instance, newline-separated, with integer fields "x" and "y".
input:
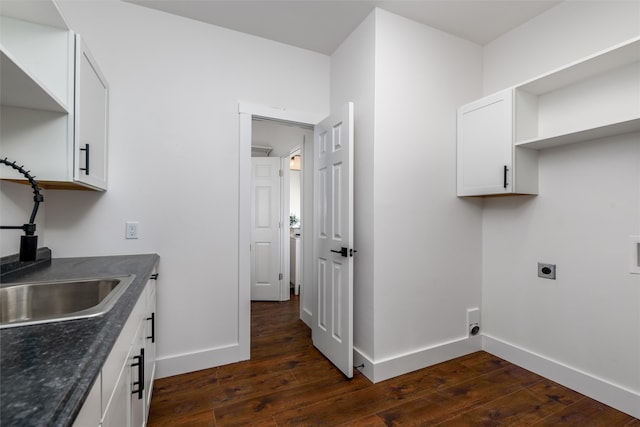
{"x": 246, "y": 112}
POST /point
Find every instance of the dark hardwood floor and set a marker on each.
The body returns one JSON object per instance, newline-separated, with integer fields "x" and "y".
{"x": 288, "y": 383}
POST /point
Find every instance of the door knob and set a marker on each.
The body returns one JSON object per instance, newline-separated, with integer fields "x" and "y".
{"x": 343, "y": 251}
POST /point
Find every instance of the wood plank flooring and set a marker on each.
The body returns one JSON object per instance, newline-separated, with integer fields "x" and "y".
{"x": 288, "y": 383}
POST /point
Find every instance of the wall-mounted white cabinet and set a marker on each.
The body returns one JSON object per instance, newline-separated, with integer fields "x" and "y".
{"x": 596, "y": 97}
{"x": 488, "y": 163}
{"x": 54, "y": 100}
{"x": 90, "y": 120}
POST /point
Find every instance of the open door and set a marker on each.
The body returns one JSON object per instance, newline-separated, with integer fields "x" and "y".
{"x": 332, "y": 330}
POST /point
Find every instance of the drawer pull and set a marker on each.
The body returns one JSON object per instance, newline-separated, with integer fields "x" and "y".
{"x": 504, "y": 174}
{"x": 153, "y": 327}
{"x": 140, "y": 383}
{"x": 86, "y": 159}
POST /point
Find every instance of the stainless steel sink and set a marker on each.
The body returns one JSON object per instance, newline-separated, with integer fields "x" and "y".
{"x": 43, "y": 302}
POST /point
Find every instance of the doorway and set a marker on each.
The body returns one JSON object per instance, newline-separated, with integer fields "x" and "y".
{"x": 277, "y": 178}
{"x": 326, "y": 306}
{"x": 295, "y": 219}
{"x": 247, "y": 112}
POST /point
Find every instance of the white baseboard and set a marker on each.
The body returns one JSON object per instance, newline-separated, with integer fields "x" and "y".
{"x": 307, "y": 317}
{"x": 202, "y": 359}
{"x": 603, "y": 391}
{"x": 408, "y": 362}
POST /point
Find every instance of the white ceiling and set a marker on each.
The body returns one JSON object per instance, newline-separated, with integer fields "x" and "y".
{"x": 321, "y": 25}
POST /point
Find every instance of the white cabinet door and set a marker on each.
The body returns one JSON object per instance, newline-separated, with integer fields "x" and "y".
{"x": 90, "y": 412}
{"x": 91, "y": 110}
{"x": 116, "y": 413}
{"x": 485, "y": 146}
{"x": 150, "y": 343}
{"x": 136, "y": 387}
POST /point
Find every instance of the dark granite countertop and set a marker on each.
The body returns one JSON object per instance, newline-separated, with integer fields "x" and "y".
{"x": 47, "y": 370}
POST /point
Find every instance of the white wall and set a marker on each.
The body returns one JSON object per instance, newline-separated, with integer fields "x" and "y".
{"x": 563, "y": 34}
{"x": 427, "y": 265}
{"x": 175, "y": 85}
{"x": 418, "y": 264}
{"x": 586, "y": 322}
{"x": 352, "y": 79}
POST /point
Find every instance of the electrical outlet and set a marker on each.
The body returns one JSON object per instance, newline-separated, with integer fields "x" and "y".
{"x": 473, "y": 321}
{"x": 131, "y": 230}
{"x": 547, "y": 271}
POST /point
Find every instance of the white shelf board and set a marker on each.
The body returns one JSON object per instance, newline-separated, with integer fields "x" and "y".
{"x": 610, "y": 59}
{"x": 619, "y": 128}
{"x": 43, "y": 12}
{"x": 19, "y": 89}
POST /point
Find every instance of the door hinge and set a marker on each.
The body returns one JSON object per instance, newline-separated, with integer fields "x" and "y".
{"x": 281, "y": 276}
{"x": 280, "y": 172}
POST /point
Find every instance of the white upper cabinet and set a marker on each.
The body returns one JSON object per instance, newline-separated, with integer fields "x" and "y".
{"x": 53, "y": 100}
{"x": 488, "y": 164}
{"x": 36, "y": 47}
{"x": 91, "y": 109}
{"x": 596, "y": 97}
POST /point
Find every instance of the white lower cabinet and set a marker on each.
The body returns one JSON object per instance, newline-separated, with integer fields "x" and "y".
{"x": 150, "y": 343}
{"x": 121, "y": 394}
{"x": 90, "y": 413}
{"x": 117, "y": 412}
{"x": 137, "y": 382}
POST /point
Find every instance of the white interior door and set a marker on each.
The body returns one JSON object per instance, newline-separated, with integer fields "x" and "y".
{"x": 332, "y": 330}
{"x": 265, "y": 229}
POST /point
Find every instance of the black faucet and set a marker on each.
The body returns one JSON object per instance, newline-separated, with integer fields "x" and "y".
{"x": 28, "y": 242}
